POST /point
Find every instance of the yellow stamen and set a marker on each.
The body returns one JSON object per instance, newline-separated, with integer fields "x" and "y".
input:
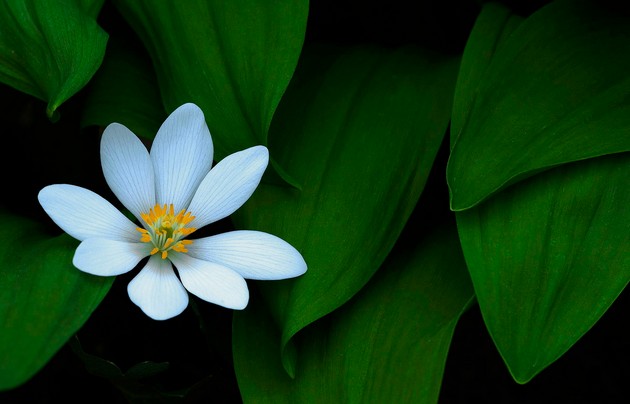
{"x": 166, "y": 230}
{"x": 179, "y": 247}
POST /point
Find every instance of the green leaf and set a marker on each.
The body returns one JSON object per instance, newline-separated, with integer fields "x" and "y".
{"x": 493, "y": 25}
{"x": 555, "y": 91}
{"x": 124, "y": 90}
{"x": 548, "y": 257}
{"x": 50, "y": 49}
{"x": 232, "y": 58}
{"x": 388, "y": 344}
{"x": 44, "y": 300}
{"x": 360, "y": 131}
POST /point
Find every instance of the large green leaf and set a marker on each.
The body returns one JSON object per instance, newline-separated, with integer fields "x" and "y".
{"x": 124, "y": 90}
{"x": 50, "y": 49}
{"x": 44, "y": 300}
{"x": 555, "y": 91}
{"x": 360, "y": 131}
{"x": 388, "y": 344}
{"x": 548, "y": 257}
{"x": 232, "y": 58}
{"x": 493, "y": 25}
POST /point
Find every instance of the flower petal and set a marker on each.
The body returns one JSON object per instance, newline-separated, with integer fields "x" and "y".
{"x": 228, "y": 185}
{"x": 102, "y": 257}
{"x": 84, "y": 214}
{"x": 182, "y": 155}
{"x": 253, "y": 254}
{"x": 212, "y": 282}
{"x": 157, "y": 291}
{"x": 128, "y": 169}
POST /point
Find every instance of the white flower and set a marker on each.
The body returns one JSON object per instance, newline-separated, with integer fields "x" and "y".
{"x": 172, "y": 191}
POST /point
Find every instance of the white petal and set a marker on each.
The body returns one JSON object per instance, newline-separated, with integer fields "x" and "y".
{"x": 182, "y": 155}
{"x": 157, "y": 291}
{"x": 102, "y": 257}
{"x": 228, "y": 185}
{"x": 253, "y": 254}
{"x": 212, "y": 282}
{"x": 84, "y": 214}
{"x": 128, "y": 169}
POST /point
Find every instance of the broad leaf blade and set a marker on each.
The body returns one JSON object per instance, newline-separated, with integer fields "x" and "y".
{"x": 124, "y": 90}
{"x": 548, "y": 257}
{"x": 232, "y": 58}
{"x": 494, "y": 24}
{"x": 50, "y": 49}
{"x": 43, "y": 298}
{"x": 388, "y": 344}
{"x": 555, "y": 91}
{"x": 360, "y": 131}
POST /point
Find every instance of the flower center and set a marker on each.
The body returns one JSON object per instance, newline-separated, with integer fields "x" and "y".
{"x": 166, "y": 230}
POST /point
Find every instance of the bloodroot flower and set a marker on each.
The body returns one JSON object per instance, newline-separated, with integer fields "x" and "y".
{"x": 172, "y": 191}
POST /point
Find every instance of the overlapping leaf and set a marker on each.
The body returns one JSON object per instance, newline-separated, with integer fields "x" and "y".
{"x": 232, "y": 58}
{"x": 555, "y": 91}
{"x": 493, "y": 26}
{"x": 124, "y": 90}
{"x": 388, "y": 344}
{"x": 360, "y": 131}
{"x": 50, "y": 49}
{"x": 548, "y": 256}
{"x": 43, "y": 298}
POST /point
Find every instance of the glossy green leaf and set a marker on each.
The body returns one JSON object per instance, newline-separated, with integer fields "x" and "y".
{"x": 360, "y": 131}
{"x": 555, "y": 91}
{"x": 232, "y": 58}
{"x": 50, "y": 49}
{"x": 124, "y": 90}
{"x": 548, "y": 256}
{"x": 44, "y": 299}
{"x": 388, "y": 344}
{"x": 493, "y": 25}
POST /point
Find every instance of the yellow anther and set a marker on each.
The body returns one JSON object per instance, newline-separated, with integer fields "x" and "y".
{"x": 166, "y": 230}
{"x": 186, "y": 231}
{"x": 179, "y": 247}
{"x": 147, "y": 219}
